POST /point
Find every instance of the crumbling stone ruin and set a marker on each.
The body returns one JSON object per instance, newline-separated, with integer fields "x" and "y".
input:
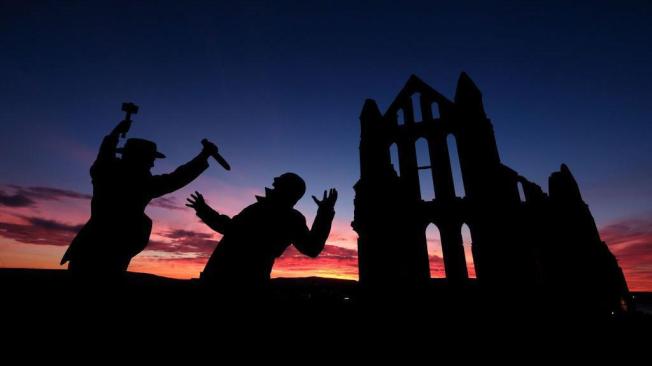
{"x": 534, "y": 242}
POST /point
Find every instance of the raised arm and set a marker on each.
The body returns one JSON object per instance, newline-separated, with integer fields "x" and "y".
{"x": 109, "y": 145}
{"x": 311, "y": 242}
{"x": 183, "y": 175}
{"x": 210, "y": 217}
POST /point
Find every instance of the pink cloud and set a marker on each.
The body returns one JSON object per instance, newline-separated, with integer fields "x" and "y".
{"x": 168, "y": 202}
{"x": 631, "y": 242}
{"x": 185, "y": 243}
{"x": 29, "y": 196}
{"x": 15, "y": 200}
{"x": 39, "y": 231}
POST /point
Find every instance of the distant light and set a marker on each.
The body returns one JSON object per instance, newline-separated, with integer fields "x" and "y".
{"x": 346, "y": 298}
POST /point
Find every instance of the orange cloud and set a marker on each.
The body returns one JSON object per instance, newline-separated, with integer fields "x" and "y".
{"x": 334, "y": 262}
{"x": 631, "y": 242}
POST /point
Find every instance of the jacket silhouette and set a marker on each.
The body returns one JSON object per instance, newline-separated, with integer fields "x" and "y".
{"x": 118, "y": 228}
{"x": 260, "y": 233}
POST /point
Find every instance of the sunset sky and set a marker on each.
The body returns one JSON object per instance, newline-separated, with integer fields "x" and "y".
{"x": 279, "y": 86}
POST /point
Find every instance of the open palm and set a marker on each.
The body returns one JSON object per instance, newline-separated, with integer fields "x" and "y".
{"x": 328, "y": 201}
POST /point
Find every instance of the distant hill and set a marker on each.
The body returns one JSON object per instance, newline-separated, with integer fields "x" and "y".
{"x": 50, "y": 281}
{"x": 33, "y": 290}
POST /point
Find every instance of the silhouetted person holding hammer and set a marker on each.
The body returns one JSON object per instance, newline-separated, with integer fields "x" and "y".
{"x": 253, "y": 239}
{"x": 118, "y": 228}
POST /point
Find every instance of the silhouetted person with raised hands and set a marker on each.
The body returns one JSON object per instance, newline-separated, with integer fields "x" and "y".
{"x": 254, "y": 238}
{"x": 118, "y": 228}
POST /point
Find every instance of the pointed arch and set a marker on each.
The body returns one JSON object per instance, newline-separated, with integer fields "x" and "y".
{"x": 468, "y": 252}
{"x": 426, "y": 184}
{"x": 400, "y": 116}
{"x": 456, "y": 168}
{"x": 416, "y": 107}
{"x": 435, "y": 253}
{"x": 393, "y": 154}
{"x": 521, "y": 191}
{"x": 434, "y": 108}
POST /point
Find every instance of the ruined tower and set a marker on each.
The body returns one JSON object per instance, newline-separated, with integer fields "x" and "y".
{"x": 519, "y": 241}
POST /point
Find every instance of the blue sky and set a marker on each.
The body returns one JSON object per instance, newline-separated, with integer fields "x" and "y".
{"x": 279, "y": 85}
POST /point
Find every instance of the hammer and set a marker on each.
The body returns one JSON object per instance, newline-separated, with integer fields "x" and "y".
{"x": 218, "y": 157}
{"x": 129, "y": 108}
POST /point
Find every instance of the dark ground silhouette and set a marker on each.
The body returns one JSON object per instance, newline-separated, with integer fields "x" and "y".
{"x": 302, "y": 307}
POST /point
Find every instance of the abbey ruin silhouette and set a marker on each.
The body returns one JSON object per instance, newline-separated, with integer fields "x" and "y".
{"x": 531, "y": 242}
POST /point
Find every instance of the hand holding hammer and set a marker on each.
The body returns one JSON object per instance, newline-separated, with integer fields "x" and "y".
{"x": 129, "y": 108}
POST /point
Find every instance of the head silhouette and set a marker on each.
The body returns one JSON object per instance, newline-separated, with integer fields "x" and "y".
{"x": 287, "y": 189}
{"x": 140, "y": 153}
